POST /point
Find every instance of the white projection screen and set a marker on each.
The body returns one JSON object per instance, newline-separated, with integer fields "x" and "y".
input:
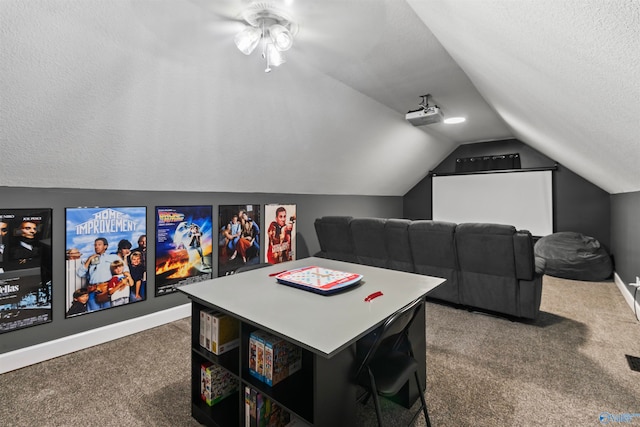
{"x": 522, "y": 199}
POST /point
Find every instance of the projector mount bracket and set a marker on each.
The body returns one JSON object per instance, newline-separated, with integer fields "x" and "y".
{"x": 425, "y": 102}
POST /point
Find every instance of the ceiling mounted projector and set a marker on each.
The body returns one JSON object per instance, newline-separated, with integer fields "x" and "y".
{"x": 426, "y": 115}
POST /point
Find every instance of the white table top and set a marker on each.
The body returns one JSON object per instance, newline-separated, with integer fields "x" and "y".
{"x": 322, "y": 324}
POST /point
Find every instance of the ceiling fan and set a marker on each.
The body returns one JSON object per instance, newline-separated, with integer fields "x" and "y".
{"x": 325, "y": 33}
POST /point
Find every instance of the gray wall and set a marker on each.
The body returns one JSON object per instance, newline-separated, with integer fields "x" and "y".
{"x": 578, "y": 205}
{"x": 625, "y": 235}
{"x": 309, "y": 207}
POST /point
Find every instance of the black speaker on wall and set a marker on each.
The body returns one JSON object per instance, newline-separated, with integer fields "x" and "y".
{"x": 487, "y": 163}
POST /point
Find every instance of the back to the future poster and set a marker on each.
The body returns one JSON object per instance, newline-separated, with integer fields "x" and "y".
{"x": 184, "y": 246}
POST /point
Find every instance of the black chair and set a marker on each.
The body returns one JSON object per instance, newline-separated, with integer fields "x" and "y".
{"x": 387, "y": 362}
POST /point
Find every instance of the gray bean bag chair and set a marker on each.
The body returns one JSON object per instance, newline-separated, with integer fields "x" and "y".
{"x": 571, "y": 255}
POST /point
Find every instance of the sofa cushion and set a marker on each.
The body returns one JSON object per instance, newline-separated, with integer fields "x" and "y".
{"x": 487, "y": 267}
{"x": 334, "y": 236}
{"x": 432, "y": 243}
{"x": 486, "y": 248}
{"x": 368, "y": 241}
{"x": 434, "y": 254}
{"x": 396, "y": 236}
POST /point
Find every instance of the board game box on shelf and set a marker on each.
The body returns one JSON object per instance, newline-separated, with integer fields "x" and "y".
{"x": 216, "y": 383}
{"x": 219, "y": 332}
{"x": 272, "y": 359}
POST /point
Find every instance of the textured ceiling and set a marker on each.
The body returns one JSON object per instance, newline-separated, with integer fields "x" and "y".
{"x": 153, "y": 95}
{"x": 564, "y": 76}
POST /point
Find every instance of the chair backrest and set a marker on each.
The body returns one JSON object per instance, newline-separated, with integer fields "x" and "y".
{"x": 334, "y": 236}
{"x": 368, "y": 241}
{"x": 393, "y": 333}
{"x": 488, "y": 275}
{"x": 434, "y": 254}
{"x": 396, "y": 238}
{"x": 486, "y": 248}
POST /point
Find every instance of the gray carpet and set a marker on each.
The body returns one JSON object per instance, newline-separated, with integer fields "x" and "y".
{"x": 564, "y": 369}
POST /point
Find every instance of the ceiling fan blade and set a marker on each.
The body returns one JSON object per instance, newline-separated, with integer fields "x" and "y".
{"x": 338, "y": 27}
{"x": 228, "y": 10}
{"x": 186, "y": 26}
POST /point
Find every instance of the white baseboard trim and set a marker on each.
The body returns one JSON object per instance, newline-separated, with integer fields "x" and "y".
{"x": 626, "y": 293}
{"x": 48, "y": 350}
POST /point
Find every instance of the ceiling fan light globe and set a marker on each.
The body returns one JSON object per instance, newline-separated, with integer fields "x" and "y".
{"x": 281, "y": 37}
{"x": 247, "y": 39}
{"x": 274, "y": 56}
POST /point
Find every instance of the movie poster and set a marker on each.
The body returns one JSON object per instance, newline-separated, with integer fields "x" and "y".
{"x": 25, "y": 268}
{"x": 184, "y": 246}
{"x": 238, "y": 237}
{"x": 106, "y": 258}
{"x": 281, "y": 233}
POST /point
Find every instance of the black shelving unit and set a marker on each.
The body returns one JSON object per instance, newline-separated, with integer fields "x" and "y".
{"x": 294, "y": 394}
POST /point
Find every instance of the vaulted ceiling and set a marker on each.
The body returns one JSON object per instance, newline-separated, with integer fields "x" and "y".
{"x": 154, "y": 95}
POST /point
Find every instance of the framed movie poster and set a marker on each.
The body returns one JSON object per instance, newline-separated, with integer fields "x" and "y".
{"x": 238, "y": 237}
{"x": 103, "y": 267}
{"x": 281, "y": 233}
{"x": 25, "y": 268}
{"x": 184, "y": 246}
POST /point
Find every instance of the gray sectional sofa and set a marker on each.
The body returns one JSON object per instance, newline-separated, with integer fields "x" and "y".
{"x": 489, "y": 267}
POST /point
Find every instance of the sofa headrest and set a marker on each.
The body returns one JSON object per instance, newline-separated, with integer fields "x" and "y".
{"x": 433, "y": 226}
{"x": 396, "y": 236}
{"x": 341, "y": 220}
{"x": 486, "y": 248}
{"x": 334, "y": 234}
{"x": 495, "y": 249}
{"x": 397, "y": 222}
{"x": 485, "y": 228}
{"x": 368, "y": 241}
{"x": 433, "y": 244}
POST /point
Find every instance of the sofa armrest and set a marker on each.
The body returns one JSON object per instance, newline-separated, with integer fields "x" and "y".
{"x": 530, "y": 297}
{"x": 523, "y": 254}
